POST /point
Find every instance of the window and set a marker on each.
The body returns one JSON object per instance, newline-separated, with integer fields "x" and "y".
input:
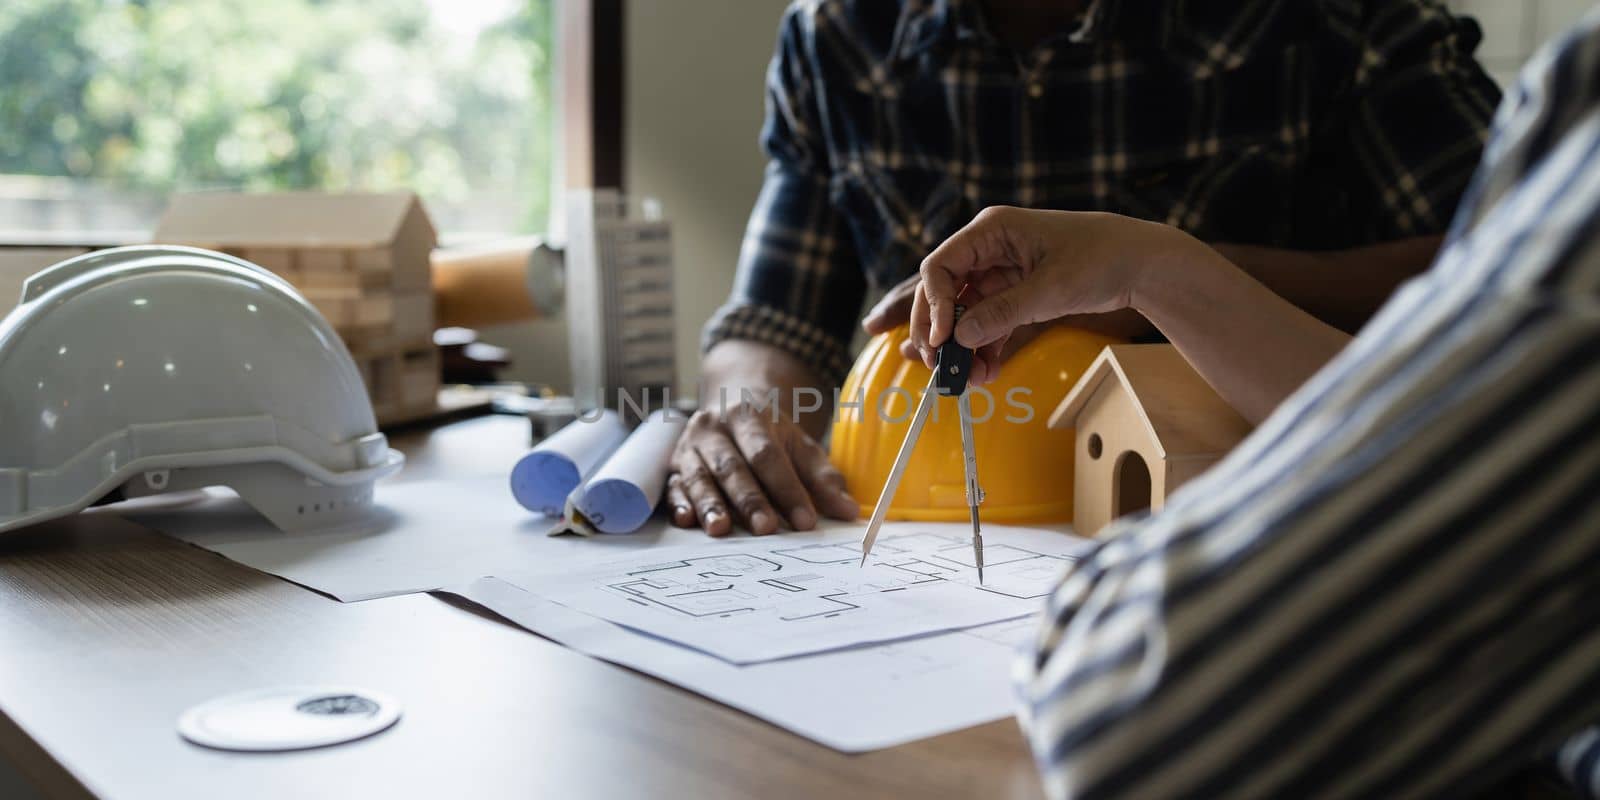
{"x": 109, "y": 105}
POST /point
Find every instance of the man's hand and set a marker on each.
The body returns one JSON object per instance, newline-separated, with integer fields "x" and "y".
{"x": 741, "y": 465}
{"x": 894, "y": 309}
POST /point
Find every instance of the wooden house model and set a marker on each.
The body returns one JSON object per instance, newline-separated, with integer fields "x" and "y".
{"x": 363, "y": 259}
{"x": 1146, "y": 423}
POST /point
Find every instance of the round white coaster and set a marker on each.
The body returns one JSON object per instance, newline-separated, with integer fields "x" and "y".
{"x": 288, "y": 718}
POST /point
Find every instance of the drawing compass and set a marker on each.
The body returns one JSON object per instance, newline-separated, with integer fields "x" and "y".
{"x": 951, "y": 372}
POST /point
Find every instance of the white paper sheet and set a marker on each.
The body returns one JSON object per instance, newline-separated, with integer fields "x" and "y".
{"x": 774, "y": 597}
{"x": 850, "y": 700}
{"x": 621, "y": 495}
{"x": 423, "y": 535}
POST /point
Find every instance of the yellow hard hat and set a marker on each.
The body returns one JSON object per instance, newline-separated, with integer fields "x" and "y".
{"x": 1024, "y": 467}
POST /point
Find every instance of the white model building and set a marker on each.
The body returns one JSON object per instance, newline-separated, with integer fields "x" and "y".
{"x": 619, "y": 300}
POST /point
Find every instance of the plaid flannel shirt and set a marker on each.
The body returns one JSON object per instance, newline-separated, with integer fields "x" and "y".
{"x": 1304, "y": 124}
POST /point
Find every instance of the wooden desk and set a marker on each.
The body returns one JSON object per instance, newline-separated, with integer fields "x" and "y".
{"x": 108, "y": 631}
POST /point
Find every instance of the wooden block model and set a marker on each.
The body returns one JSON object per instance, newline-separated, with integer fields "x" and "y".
{"x": 17, "y": 264}
{"x": 1146, "y": 424}
{"x": 403, "y": 382}
{"x": 362, "y": 259}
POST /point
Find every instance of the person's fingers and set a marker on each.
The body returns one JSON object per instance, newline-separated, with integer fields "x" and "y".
{"x": 983, "y": 242}
{"x": 768, "y": 457}
{"x": 682, "y": 513}
{"x": 987, "y": 358}
{"x": 930, "y": 317}
{"x": 1020, "y": 337}
{"x": 738, "y": 483}
{"x": 986, "y": 362}
{"x": 822, "y": 478}
{"x": 993, "y": 281}
{"x": 892, "y": 310}
{"x": 920, "y": 316}
{"x": 996, "y": 353}
{"x": 970, "y": 295}
{"x": 994, "y": 317}
{"x": 917, "y": 337}
{"x": 909, "y": 351}
{"x": 697, "y": 482}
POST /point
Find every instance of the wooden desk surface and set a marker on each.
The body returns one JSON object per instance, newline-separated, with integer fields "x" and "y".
{"x": 109, "y": 631}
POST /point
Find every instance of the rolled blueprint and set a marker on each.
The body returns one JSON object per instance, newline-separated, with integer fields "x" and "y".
{"x": 544, "y": 477}
{"x": 620, "y": 497}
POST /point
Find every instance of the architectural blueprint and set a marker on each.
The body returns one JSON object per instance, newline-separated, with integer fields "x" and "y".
{"x": 854, "y": 700}
{"x": 759, "y": 600}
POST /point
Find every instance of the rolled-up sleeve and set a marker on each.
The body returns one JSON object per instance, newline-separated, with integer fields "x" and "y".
{"x": 799, "y": 286}
{"x": 1392, "y": 588}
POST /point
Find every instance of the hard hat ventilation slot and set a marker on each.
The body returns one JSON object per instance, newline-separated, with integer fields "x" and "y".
{"x": 329, "y": 506}
{"x": 116, "y": 495}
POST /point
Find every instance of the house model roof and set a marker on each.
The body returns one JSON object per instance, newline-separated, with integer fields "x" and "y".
{"x": 1184, "y": 415}
{"x": 291, "y": 219}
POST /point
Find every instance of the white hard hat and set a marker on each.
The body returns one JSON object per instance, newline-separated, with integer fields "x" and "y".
{"x": 141, "y": 370}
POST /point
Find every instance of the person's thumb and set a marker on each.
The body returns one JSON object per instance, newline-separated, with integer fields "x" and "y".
{"x": 894, "y": 309}
{"x": 993, "y": 317}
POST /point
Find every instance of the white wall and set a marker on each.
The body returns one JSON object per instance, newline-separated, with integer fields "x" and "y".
{"x": 695, "y": 72}
{"x": 1514, "y": 29}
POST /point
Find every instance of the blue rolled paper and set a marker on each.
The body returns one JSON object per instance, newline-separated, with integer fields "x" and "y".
{"x": 542, "y": 479}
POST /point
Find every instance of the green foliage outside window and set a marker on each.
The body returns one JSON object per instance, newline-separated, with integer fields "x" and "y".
{"x": 450, "y": 99}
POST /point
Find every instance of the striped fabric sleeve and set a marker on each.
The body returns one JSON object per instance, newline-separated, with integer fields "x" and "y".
{"x": 1578, "y": 763}
{"x": 798, "y": 286}
{"x": 1391, "y": 589}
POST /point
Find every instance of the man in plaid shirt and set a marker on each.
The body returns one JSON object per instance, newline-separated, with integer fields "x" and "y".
{"x": 1321, "y": 145}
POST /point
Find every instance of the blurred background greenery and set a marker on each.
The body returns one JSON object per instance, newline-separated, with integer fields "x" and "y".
{"x": 450, "y": 98}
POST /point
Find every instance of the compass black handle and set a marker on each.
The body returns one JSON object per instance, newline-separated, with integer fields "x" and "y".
{"x": 954, "y": 363}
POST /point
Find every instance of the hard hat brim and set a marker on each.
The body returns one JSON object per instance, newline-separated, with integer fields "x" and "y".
{"x": 234, "y": 468}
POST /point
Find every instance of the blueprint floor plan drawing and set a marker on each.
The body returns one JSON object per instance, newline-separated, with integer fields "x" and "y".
{"x": 853, "y": 700}
{"x": 758, "y": 600}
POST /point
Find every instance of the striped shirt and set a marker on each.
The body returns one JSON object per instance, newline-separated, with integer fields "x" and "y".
{"x": 1392, "y": 588}
{"x": 1303, "y": 124}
